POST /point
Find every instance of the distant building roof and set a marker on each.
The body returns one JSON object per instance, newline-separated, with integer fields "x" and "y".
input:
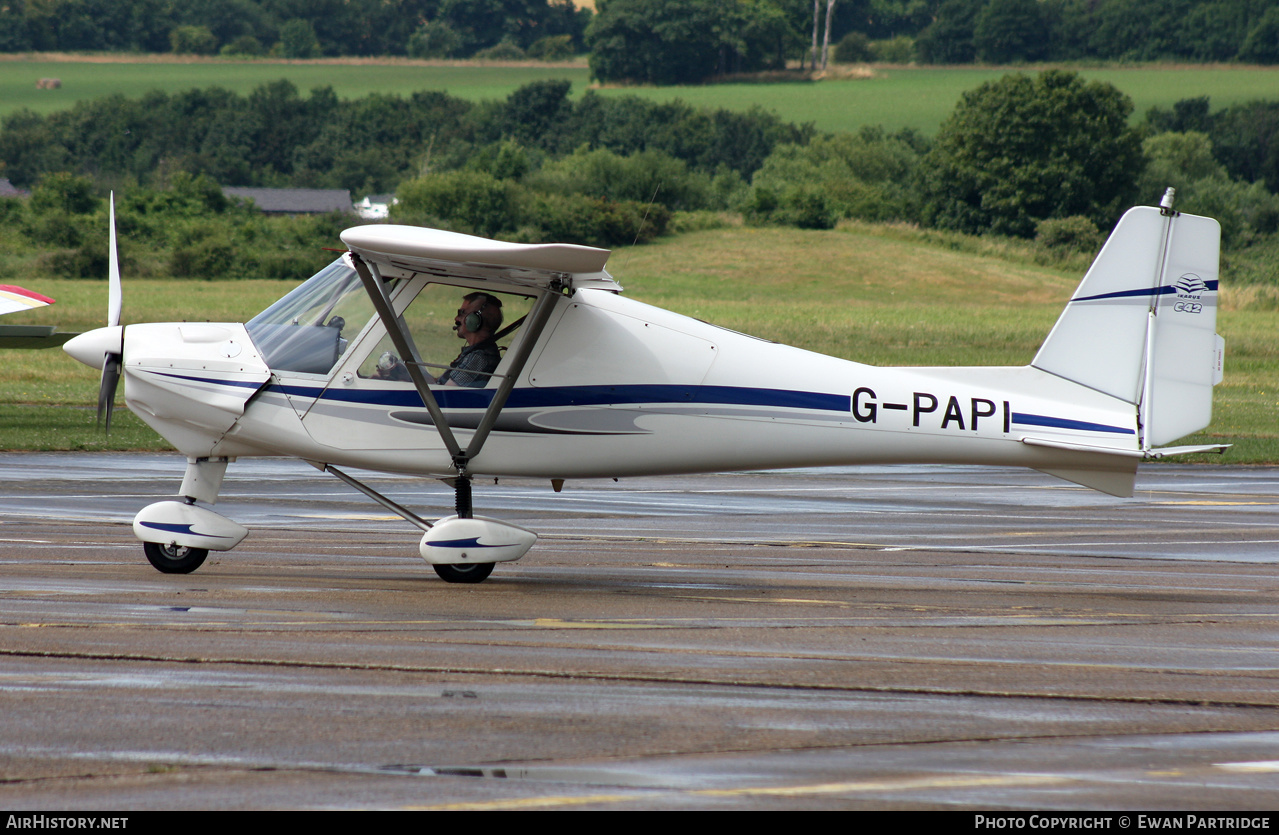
{"x": 8, "y": 189}
{"x": 295, "y": 201}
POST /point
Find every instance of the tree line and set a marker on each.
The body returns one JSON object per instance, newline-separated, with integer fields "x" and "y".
{"x": 1048, "y": 157}
{"x": 661, "y": 41}
{"x": 683, "y": 41}
{"x": 294, "y": 28}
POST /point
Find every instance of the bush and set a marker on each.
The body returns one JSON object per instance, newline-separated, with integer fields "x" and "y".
{"x": 1262, "y": 44}
{"x": 246, "y": 45}
{"x": 297, "y": 39}
{"x": 207, "y": 258}
{"x": 193, "y": 40}
{"x": 474, "y": 202}
{"x": 577, "y": 219}
{"x": 898, "y": 50}
{"x": 804, "y": 206}
{"x": 435, "y": 40}
{"x": 853, "y": 48}
{"x": 63, "y": 192}
{"x": 551, "y": 48}
{"x": 867, "y": 175}
{"x": 1069, "y": 235}
{"x": 59, "y": 229}
{"x": 11, "y": 210}
{"x": 644, "y": 177}
{"x": 504, "y": 51}
{"x": 88, "y": 260}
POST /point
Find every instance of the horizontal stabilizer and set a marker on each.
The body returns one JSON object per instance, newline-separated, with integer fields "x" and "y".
{"x": 1067, "y": 445}
{"x": 1164, "y": 452}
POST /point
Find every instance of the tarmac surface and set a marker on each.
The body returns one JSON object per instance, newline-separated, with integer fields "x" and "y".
{"x": 863, "y": 638}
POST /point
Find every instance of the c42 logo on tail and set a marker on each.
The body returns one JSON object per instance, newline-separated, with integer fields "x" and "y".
{"x": 1190, "y": 289}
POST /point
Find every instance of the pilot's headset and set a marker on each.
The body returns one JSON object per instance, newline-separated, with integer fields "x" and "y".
{"x": 474, "y": 322}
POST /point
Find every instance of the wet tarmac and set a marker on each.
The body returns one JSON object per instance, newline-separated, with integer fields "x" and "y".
{"x": 912, "y": 637}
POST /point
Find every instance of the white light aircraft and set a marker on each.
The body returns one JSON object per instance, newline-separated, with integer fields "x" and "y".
{"x": 342, "y": 372}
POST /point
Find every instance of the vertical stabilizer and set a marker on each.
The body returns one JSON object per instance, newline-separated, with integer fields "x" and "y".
{"x": 1100, "y": 339}
{"x": 1141, "y": 327}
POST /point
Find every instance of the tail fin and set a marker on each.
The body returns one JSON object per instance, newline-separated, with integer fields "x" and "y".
{"x": 1142, "y": 325}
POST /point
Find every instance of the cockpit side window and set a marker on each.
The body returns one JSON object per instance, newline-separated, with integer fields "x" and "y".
{"x": 433, "y": 321}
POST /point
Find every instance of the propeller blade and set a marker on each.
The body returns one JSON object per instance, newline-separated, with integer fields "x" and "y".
{"x": 112, "y": 360}
{"x": 114, "y": 294}
{"x": 106, "y": 389}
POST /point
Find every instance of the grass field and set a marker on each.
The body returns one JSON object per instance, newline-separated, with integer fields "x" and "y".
{"x": 878, "y": 294}
{"x": 895, "y": 97}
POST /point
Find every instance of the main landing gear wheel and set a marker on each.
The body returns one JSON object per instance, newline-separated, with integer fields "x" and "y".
{"x": 176, "y": 559}
{"x": 476, "y": 572}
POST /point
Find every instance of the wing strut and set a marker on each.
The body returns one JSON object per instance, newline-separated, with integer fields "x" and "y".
{"x": 403, "y": 343}
{"x": 537, "y": 319}
{"x": 395, "y": 328}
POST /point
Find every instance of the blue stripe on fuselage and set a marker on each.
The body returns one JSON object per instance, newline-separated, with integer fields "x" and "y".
{"x": 541, "y": 398}
{"x": 1022, "y": 419}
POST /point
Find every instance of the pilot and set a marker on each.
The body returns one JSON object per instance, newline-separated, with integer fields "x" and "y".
{"x": 477, "y": 320}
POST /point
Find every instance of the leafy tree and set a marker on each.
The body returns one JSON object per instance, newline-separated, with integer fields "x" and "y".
{"x": 1246, "y": 140}
{"x": 533, "y": 113}
{"x": 867, "y": 175}
{"x": 1186, "y": 114}
{"x": 1186, "y": 162}
{"x": 1140, "y": 30}
{"x": 297, "y": 39}
{"x": 66, "y": 193}
{"x": 682, "y": 41}
{"x": 435, "y": 39}
{"x": 474, "y": 202}
{"x": 949, "y": 39}
{"x": 1021, "y": 149}
{"x": 193, "y": 40}
{"x": 1262, "y": 44}
{"x": 644, "y": 177}
{"x": 1006, "y": 31}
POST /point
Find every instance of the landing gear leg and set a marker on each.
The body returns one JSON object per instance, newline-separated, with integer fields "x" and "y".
{"x": 475, "y": 572}
{"x": 178, "y": 535}
{"x": 462, "y": 490}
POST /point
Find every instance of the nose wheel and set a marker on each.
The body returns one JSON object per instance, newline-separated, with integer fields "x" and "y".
{"x": 178, "y": 559}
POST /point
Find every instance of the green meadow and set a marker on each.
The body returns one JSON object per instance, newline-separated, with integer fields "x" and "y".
{"x": 895, "y": 97}
{"x": 883, "y": 295}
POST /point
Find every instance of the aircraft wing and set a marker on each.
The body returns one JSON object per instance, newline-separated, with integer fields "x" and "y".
{"x": 434, "y": 250}
{"x": 14, "y": 299}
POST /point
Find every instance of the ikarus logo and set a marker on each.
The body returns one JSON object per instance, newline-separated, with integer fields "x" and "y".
{"x": 1190, "y": 289}
{"x": 1190, "y": 286}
